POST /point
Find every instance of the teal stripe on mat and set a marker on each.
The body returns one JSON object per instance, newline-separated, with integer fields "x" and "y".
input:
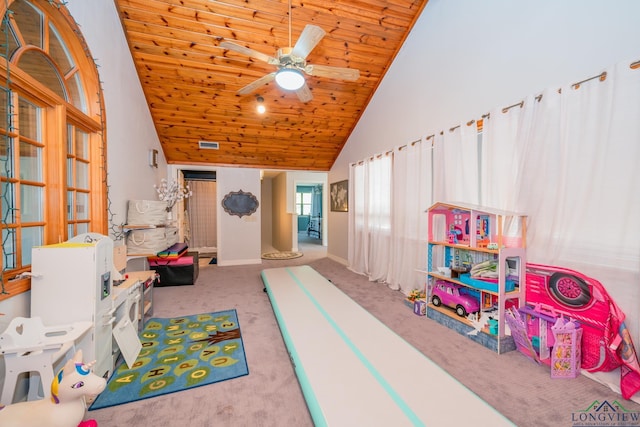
{"x": 307, "y": 390}
{"x": 383, "y": 382}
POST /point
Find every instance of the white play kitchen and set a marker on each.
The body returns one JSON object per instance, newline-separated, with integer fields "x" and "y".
{"x": 79, "y": 280}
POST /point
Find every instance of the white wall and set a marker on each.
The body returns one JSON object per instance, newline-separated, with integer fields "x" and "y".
{"x": 465, "y": 57}
{"x": 266, "y": 212}
{"x": 283, "y": 222}
{"x": 130, "y": 130}
{"x": 238, "y": 237}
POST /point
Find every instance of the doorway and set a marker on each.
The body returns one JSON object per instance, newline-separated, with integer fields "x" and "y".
{"x": 309, "y": 210}
{"x": 201, "y": 213}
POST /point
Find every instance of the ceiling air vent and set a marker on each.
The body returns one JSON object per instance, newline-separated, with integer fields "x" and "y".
{"x": 208, "y": 145}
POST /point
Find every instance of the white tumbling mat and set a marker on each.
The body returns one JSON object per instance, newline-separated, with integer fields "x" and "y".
{"x": 355, "y": 371}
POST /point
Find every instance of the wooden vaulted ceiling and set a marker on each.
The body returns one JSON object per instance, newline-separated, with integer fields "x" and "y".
{"x": 191, "y": 83}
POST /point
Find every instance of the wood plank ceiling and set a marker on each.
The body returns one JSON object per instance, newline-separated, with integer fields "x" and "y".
{"x": 191, "y": 83}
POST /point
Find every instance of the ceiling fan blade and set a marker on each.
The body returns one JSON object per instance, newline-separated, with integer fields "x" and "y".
{"x": 308, "y": 39}
{"x": 304, "y": 93}
{"x": 257, "y": 83}
{"x": 249, "y": 52}
{"x": 350, "y": 74}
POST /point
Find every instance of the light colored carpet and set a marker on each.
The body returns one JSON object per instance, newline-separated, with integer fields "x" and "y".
{"x": 270, "y": 395}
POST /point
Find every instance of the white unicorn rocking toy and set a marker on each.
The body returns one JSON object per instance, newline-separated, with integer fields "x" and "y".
{"x": 66, "y": 407}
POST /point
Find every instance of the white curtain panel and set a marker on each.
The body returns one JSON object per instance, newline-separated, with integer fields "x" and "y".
{"x": 468, "y": 188}
{"x": 358, "y": 239}
{"x": 439, "y": 174}
{"x": 460, "y": 164}
{"x": 370, "y": 218}
{"x": 598, "y": 225}
{"x": 573, "y": 148}
{"x": 570, "y": 162}
{"x": 316, "y": 201}
{"x": 202, "y": 214}
{"x": 588, "y": 188}
{"x": 539, "y": 159}
{"x": 600, "y": 140}
{"x": 502, "y": 134}
{"x": 411, "y": 197}
{"x": 537, "y": 192}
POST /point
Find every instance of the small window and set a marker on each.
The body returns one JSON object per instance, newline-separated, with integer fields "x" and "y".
{"x": 303, "y": 203}
{"x": 30, "y": 21}
{"x": 58, "y": 51}
{"x": 78, "y": 180}
{"x": 39, "y": 66}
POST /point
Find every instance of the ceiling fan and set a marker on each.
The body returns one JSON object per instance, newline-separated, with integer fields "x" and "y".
{"x": 292, "y": 65}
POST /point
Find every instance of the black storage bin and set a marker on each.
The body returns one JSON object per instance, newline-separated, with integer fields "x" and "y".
{"x": 175, "y": 272}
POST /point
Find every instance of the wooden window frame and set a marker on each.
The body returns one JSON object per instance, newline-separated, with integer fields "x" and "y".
{"x": 57, "y": 114}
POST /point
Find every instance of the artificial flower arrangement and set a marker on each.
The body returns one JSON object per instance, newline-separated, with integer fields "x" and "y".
{"x": 172, "y": 192}
{"x": 416, "y": 294}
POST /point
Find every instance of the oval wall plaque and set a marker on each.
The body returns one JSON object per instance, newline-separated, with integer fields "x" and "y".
{"x": 240, "y": 203}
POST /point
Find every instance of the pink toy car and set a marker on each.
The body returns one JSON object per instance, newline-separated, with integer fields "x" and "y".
{"x": 454, "y": 296}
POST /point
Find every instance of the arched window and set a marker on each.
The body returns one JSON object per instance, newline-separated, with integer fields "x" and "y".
{"x": 52, "y": 145}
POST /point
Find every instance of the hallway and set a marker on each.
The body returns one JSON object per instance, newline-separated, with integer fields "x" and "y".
{"x": 311, "y": 245}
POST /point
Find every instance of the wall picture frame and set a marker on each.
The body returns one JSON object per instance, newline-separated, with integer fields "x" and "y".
{"x": 240, "y": 203}
{"x": 339, "y": 195}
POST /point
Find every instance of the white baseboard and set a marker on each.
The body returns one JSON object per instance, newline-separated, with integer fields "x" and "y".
{"x": 239, "y": 262}
{"x": 338, "y": 259}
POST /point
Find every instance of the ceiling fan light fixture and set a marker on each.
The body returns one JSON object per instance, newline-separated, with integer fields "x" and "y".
{"x": 260, "y": 108}
{"x": 289, "y": 79}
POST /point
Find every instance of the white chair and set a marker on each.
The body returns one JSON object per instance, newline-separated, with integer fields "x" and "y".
{"x": 30, "y": 347}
